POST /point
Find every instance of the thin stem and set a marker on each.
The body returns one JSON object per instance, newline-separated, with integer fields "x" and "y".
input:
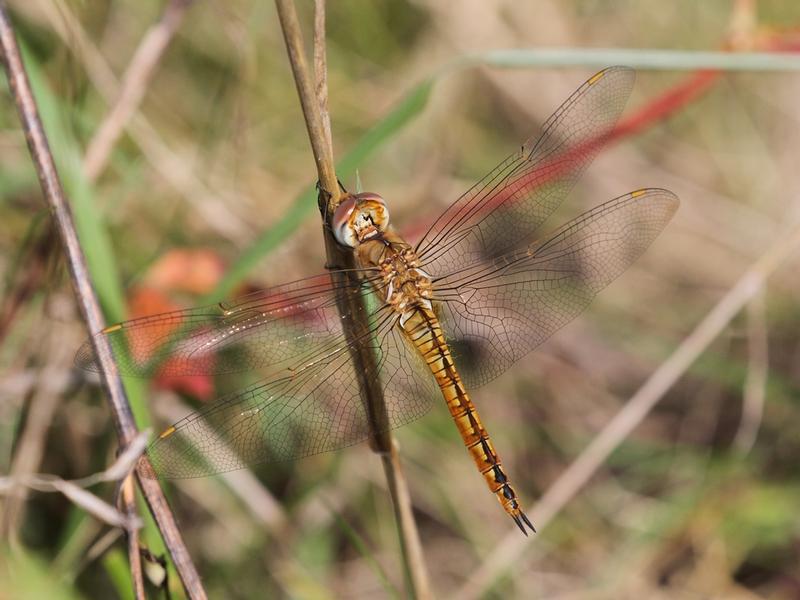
{"x": 134, "y": 85}
{"x": 128, "y": 501}
{"x": 321, "y": 71}
{"x": 294, "y": 46}
{"x": 351, "y": 304}
{"x": 755, "y": 383}
{"x": 87, "y": 299}
{"x": 410, "y": 543}
{"x": 175, "y": 168}
{"x": 30, "y": 446}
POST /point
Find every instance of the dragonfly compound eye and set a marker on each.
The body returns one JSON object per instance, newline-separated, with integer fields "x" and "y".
{"x": 360, "y": 218}
{"x": 342, "y": 229}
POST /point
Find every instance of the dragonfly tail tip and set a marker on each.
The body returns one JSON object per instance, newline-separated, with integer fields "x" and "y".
{"x": 527, "y": 522}
{"x": 518, "y": 521}
{"x": 521, "y": 519}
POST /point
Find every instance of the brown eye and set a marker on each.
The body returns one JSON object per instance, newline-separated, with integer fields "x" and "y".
{"x": 340, "y": 224}
{"x": 371, "y": 197}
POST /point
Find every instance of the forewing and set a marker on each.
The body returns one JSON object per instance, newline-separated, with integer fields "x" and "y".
{"x": 315, "y": 408}
{"x": 496, "y": 311}
{"x": 268, "y": 327}
{"x": 503, "y": 210}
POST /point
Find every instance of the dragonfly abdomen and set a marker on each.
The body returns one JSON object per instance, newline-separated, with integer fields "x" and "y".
{"x": 422, "y": 329}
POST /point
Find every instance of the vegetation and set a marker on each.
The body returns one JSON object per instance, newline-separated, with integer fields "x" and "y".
{"x": 208, "y": 193}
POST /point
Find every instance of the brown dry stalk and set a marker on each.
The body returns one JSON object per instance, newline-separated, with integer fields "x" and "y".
{"x": 128, "y": 502}
{"x": 305, "y": 90}
{"x": 84, "y": 290}
{"x": 755, "y": 383}
{"x": 321, "y": 71}
{"x": 29, "y": 450}
{"x": 351, "y": 304}
{"x": 174, "y": 167}
{"x": 133, "y": 88}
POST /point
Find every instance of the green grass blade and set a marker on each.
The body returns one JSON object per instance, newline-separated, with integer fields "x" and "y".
{"x": 672, "y": 60}
{"x": 117, "y": 568}
{"x": 25, "y": 575}
{"x": 94, "y": 237}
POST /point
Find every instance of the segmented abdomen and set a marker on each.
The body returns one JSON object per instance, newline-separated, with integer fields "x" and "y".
{"x": 422, "y": 329}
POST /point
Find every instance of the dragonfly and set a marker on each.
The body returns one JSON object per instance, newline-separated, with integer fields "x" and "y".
{"x": 480, "y": 290}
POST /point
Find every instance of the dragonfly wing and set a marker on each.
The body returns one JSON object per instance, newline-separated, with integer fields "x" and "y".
{"x": 268, "y": 327}
{"x": 503, "y": 210}
{"x": 498, "y": 310}
{"x": 317, "y": 407}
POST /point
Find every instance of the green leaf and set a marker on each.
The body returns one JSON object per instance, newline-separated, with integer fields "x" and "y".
{"x": 23, "y": 575}
{"x": 116, "y": 564}
{"x": 94, "y": 237}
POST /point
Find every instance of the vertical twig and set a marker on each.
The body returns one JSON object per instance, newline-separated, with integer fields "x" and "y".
{"x": 321, "y": 71}
{"x": 742, "y": 25}
{"x": 174, "y": 168}
{"x": 351, "y": 304}
{"x": 311, "y": 112}
{"x": 133, "y": 87}
{"x": 81, "y": 280}
{"x": 30, "y": 446}
{"x": 128, "y": 506}
{"x": 755, "y": 384}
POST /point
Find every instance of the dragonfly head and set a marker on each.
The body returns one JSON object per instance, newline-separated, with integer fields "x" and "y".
{"x": 359, "y": 218}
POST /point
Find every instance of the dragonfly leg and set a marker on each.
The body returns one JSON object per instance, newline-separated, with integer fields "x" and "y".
{"x": 324, "y": 200}
{"x": 322, "y": 191}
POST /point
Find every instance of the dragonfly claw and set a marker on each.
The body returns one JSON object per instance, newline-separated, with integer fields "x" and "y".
{"x": 324, "y": 196}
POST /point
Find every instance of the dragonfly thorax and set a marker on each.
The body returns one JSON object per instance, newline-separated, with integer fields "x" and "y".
{"x": 403, "y": 284}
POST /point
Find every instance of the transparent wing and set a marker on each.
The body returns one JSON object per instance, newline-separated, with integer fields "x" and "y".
{"x": 268, "y": 327}
{"x": 315, "y": 407}
{"x": 503, "y": 210}
{"x": 496, "y": 311}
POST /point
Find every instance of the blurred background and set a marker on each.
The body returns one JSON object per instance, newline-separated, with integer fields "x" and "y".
{"x": 206, "y": 192}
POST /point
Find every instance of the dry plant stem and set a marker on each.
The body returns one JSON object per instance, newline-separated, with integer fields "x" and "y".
{"x": 128, "y": 500}
{"x": 97, "y": 549}
{"x": 351, "y": 303}
{"x": 90, "y": 307}
{"x": 323, "y": 156}
{"x": 134, "y": 85}
{"x": 742, "y": 25}
{"x": 321, "y": 71}
{"x": 174, "y": 168}
{"x": 30, "y": 448}
{"x": 755, "y": 384}
{"x": 507, "y": 553}
{"x": 410, "y": 543}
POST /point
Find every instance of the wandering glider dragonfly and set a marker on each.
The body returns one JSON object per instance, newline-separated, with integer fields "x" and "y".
{"x": 478, "y": 292}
